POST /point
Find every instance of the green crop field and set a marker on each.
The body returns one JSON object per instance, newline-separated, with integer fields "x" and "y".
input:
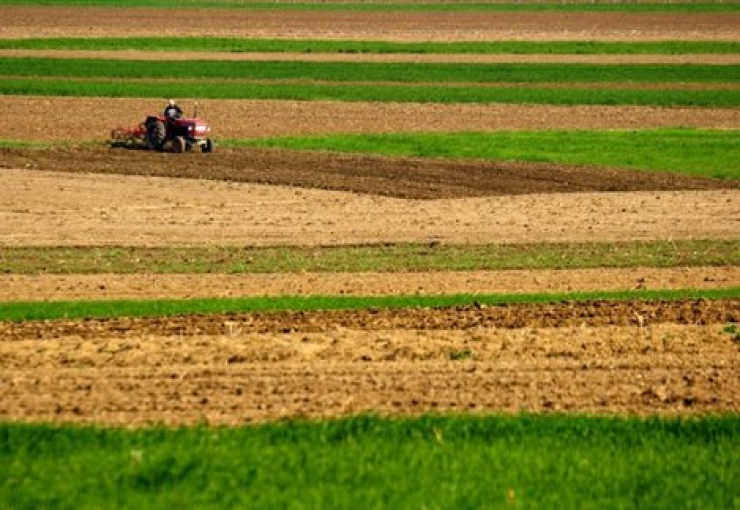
{"x": 709, "y": 153}
{"x": 565, "y": 84}
{"x": 233, "y": 89}
{"x": 432, "y": 462}
{"x": 371, "y": 72}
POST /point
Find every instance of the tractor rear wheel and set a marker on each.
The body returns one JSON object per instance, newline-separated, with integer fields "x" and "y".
{"x": 155, "y": 135}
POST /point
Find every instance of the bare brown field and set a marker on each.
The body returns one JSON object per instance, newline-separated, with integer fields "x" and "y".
{"x": 41, "y": 208}
{"x": 24, "y": 21}
{"x": 398, "y": 177}
{"x": 237, "y": 369}
{"x": 140, "y": 376}
{"x": 626, "y": 358}
{"x": 53, "y": 287}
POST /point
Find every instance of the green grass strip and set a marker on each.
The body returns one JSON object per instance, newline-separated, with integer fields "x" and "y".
{"x": 699, "y": 152}
{"x": 523, "y": 461}
{"x": 18, "y": 144}
{"x": 398, "y": 6}
{"x": 375, "y": 258}
{"x": 22, "y": 311}
{"x": 371, "y": 71}
{"x": 234, "y": 89}
{"x": 236, "y": 45}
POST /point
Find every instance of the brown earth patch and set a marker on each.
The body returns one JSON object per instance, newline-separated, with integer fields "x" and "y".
{"x": 410, "y": 178}
{"x": 52, "y": 21}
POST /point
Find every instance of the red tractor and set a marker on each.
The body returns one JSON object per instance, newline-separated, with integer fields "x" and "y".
{"x": 159, "y": 133}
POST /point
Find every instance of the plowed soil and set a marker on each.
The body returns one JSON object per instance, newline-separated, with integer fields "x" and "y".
{"x": 48, "y": 21}
{"x": 354, "y": 363}
{"x": 395, "y": 177}
{"x": 599, "y": 357}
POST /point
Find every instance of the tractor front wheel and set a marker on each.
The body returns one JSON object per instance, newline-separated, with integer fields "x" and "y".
{"x": 179, "y": 145}
{"x": 209, "y": 146}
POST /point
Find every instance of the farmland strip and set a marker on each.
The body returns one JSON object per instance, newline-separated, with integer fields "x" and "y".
{"x": 375, "y": 93}
{"x": 187, "y": 54}
{"x": 188, "y": 286}
{"x": 394, "y": 6}
{"x": 56, "y": 119}
{"x": 374, "y": 72}
{"x": 380, "y": 259}
{"x": 119, "y": 319}
{"x": 77, "y": 21}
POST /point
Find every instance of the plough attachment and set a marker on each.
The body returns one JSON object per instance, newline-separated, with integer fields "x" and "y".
{"x": 129, "y": 137}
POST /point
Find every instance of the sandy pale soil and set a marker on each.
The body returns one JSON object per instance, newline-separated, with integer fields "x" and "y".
{"x": 65, "y": 209}
{"x": 24, "y": 21}
{"x": 49, "y": 287}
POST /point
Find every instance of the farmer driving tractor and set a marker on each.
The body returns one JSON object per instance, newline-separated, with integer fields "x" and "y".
{"x": 172, "y": 112}
{"x": 170, "y": 129}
